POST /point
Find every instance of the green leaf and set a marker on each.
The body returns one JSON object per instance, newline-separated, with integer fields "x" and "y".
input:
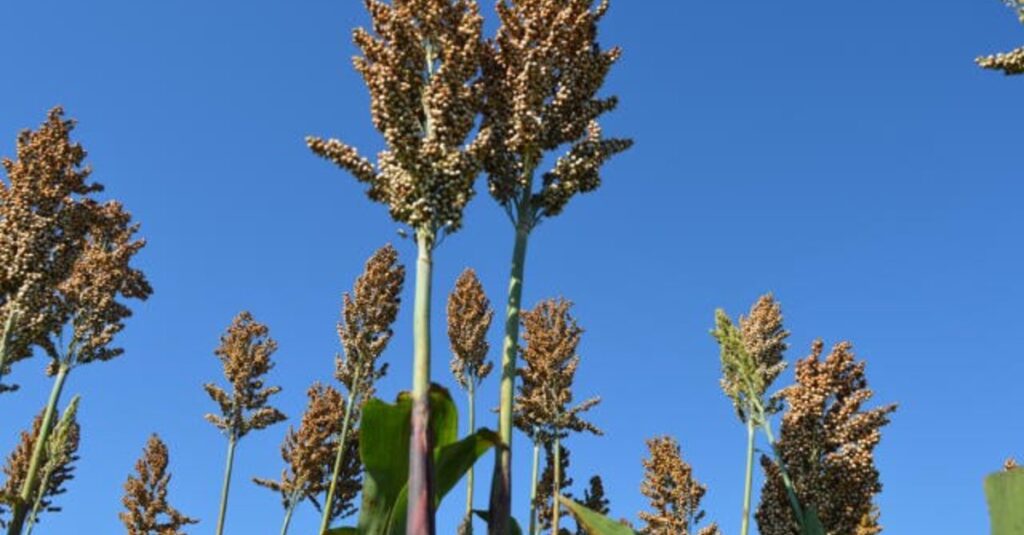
{"x": 342, "y": 531}
{"x": 485, "y": 515}
{"x": 384, "y": 450}
{"x": 812, "y": 524}
{"x": 595, "y": 523}
{"x": 1005, "y": 493}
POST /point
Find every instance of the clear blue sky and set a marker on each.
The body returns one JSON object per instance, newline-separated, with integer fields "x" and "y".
{"x": 846, "y": 155}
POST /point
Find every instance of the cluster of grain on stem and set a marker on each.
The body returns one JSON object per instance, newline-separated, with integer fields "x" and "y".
{"x": 420, "y": 63}
{"x": 147, "y": 511}
{"x": 367, "y": 316}
{"x": 674, "y": 493}
{"x": 245, "y": 353}
{"x": 1012, "y": 62}
{"x": 543, "y": 407}
{"x": 542, "y": 73}
{"x": 826, "y": 446}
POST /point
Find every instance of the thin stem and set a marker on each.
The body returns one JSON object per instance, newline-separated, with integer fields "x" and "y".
{"x": 4, "y": 340}
{"x": 421, "y": 512}
{"x": 339, "y": 459}
{"x": 232, "y": 441}
{"x": 555, "y": 505}
{"x": 288, "y": 516}
{"x": 533, "y": 488}
{"x": 786, "y": 481}
{"x": 501, "y": 482}
{"x": 748, "y": 480}
{"x": 472, "y": 429}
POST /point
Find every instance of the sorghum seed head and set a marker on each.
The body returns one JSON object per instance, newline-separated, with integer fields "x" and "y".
{"x": 145, "y": 495}
{"x": 672, "y": 490}
{"x": 469, "y": 318}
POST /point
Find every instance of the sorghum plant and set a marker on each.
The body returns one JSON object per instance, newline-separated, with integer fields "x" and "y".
{"x": 469, "y": 318}
{"x": 308, "y": 454}
{"x": 145, "y": 495}
{"x": 88, "y": 315}
{"x": 674, "y": 493}
{"x": 541, "y": 77}
{"x": 1011, "y": 62}
{"x": 420, "y": 65}
{"x": 57, "y": 469}
{"x": 543, "y": 406}
{"x": 44, "y": 212}
{"x": 752, "y": 358}
{"x": 364, "y": 330}
{"x": 245, "y": 352}
{"x": 826, "y": 445}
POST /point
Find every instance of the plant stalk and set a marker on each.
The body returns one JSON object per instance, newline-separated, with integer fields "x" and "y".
{"x": 421, "y": 500}
{"x": 472, "y": 429}
{"x": 339, "y": 459}
{"x": 31, "y": 483}
{"x": 533, "y": 489}
{"x": 232, "y": 441}
{"x": 748, "y": 480}
{"x": 557, "y": 491}
{"x": 794, "y": 502}
{"x": 5, "y": 338}
{"x": 288, "y": 516}
{"x": 501, "y": 483}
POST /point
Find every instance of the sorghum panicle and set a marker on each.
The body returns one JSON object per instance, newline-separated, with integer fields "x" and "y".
{"x": 542, "y": 407}
{"x": 751, "y": 355}
{"x": 826, "y": 444}
{"x": 60, "y": 458}
{"x": 309, "y": 452}
{"x": 1011, "y": 62}
{"x": 366, "y": 319}
{"x": 245, "y": 352}
{"x": 420, "y": 64}
{"x": 145, "y": 495}
{"x": 674, "y": 493}
{"x": 469, "y": 318}
{"x": 541, "y": 77}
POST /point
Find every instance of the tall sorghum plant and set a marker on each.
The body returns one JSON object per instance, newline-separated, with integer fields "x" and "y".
{"x": 308, "y": 453}
{"x": 45, "y": 205}
{"x": 543, "y": 407}
{"x": 420, "y": 64}
{"x": 469, "y": 318}
{"x": 86, "y": 310}
{"x": 1012, "y": 62}
{"x": 826, "y": 445}
{"x": 752, "y": 358}
{"x": 674, "y": 493}
{"x": 542, "y": 74}
{"x": 245, "y": 352}
{"x": 365, "y": 330}
{"x": 145, "y": 495}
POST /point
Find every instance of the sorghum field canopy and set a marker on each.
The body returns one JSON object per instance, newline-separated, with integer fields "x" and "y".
{"x": 850, "y": 158}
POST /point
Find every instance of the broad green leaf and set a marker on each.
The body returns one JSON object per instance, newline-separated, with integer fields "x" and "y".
{"x": 812, "y": 524}
{"x": 484, "y": 515}
{"x": 451, "y": 462}
{"x": 1005, "y": 493}
{"x": 595, "y": 523}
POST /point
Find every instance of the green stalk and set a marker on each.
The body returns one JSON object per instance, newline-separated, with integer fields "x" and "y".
{"x": 421, "y": 514}
{"x": 794, "y": 502}
{"x": 226, "y": 486}
{"x": 533, "y": 489}
{"x": 748, "y": 480}
{"x": 29, "y": 486}
{"x": 288, "y": 516}
{"x": 501, "y": 483}
{"x": 555, "y": 504}
{"x": 339, "y": 459}
{"x": 472, "y": 429}
{"x": 4, "y": 339}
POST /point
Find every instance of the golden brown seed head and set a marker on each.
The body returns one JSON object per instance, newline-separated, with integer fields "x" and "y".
{"x": 672, "y": 490}
{"x": 542, "y": 75}
{"x": 1011, "y": 62}
{"x": 58, "y": 460}
{"x": 309, "y": 455}
{"x": 245, "y": 352}
{"x": 543, "y": 405}
{"x": 64, "y": 257}
{"x": 827, "y": 444}
{"x": 420, "y": 63}
{"x": 469, "y": 318}
{"x": 366, "y": 319}
{"x": 145, "y": 495}
{"x": 751, "y": 355}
